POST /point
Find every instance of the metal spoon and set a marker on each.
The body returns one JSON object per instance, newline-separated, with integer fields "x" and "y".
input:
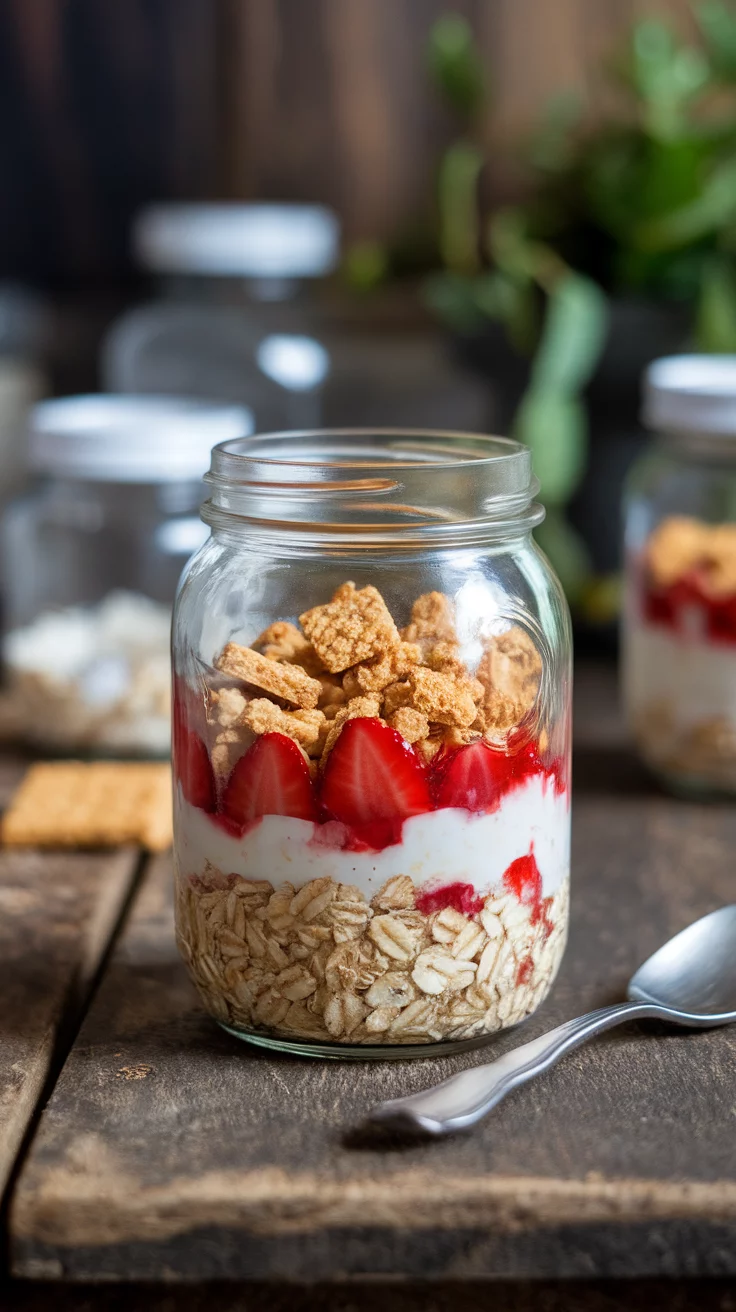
{"x": 690, "y": 981}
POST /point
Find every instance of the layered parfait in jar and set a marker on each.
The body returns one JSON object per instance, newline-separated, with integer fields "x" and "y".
{"x": 372, "y": 836}
{"x": 680, "y": 652}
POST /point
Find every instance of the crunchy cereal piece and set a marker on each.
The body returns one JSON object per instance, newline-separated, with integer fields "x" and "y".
{"x": 411, "y": 724}
{"x": 444, "y": 657}
{"x": 432, "y": 620}
{"x": 227, "y": 749}
{"x": 289, "y": 682}
{"x": 357, "y": 708}
{"x": 442, "y": 699}
{"x": 354, "y": 627}
{"x": 102, "y": 804}
{"x": 720, "y": 575}
{"x": 283, "y": 641}
{"x": 333, "y": 693}
{"x": 375, "y": 675}
{"x": 510, "y": 670}
{"x": 396, "y": 695}
{"x": 305, "y": 727}
{"x": 675, "y": 546}
{"x": 429, "y": 747}
{"x": 227, "y": 706}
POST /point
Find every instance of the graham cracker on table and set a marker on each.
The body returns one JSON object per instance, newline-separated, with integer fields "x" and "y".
{"x": 100, "y": 804}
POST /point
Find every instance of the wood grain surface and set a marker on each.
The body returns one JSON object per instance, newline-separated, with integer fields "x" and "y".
{"x": 57, "y": 915}
{"x": 113, "y": 105}
{"x": 170, "y": 1150}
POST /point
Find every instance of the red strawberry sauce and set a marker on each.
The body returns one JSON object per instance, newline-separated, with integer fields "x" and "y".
{"x": 523, "y": 878}
{"x": 374, "y": 782}
{"x": 686, "y": 608}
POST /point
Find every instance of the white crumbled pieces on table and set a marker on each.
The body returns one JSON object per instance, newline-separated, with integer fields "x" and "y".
{"x": 94, "y": 677}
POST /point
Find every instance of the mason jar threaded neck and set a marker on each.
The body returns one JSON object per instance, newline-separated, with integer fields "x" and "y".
{"x": 373, "y": 485}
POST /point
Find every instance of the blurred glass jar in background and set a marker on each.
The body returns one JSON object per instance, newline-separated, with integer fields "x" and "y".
{"x": 235, "y": 321}
{"x": 23, "y": 335}
{"x": 91, "y": 557}
{"x": 679, "y": 630}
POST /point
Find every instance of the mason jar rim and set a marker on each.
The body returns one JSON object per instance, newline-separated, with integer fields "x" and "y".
{"x": 370, "y": 484}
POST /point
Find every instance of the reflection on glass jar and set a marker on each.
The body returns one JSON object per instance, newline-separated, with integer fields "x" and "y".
{"x": 91, "y": 556}
{"x": 371, "y": 743}
{"x": 679, "y": 637}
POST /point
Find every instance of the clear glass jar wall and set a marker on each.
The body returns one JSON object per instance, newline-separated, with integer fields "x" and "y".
{"x": 91, "y": 556}
{"x": 679, "y": 628}
{"x": 371, "y": 744}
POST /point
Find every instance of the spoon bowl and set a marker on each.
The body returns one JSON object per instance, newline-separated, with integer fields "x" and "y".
{"x": 690, "y": 981}
{"x": 693, "y": 975}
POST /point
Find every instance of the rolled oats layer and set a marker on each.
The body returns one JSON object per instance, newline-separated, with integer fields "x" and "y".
{"x": 322, "y": 964}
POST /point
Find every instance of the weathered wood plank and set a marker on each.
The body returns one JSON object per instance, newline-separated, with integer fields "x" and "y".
{"x": 450, "y": 1296}
{"x": 57, "y": 915}
{"x": 169, "y": 1150}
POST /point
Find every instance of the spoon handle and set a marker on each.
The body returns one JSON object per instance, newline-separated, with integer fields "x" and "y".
{"x": 464, "y": 1099}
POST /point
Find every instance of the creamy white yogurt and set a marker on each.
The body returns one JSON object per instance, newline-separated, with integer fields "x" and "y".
{"x": 694, "y": 677}
{"x": 440, "y": 847}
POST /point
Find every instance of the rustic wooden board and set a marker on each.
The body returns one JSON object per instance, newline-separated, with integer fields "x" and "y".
{"x": 447, "y": 1296}
{"x": 169, "y": 1150}
{"x": 57, "y": 915}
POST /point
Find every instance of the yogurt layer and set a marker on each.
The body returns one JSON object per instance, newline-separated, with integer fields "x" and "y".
{"x": 437, "y": 848}
{"x": 695, "y": 677}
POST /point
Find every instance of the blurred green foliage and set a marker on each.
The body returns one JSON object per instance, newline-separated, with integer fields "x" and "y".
{"x": 640, "y": 204}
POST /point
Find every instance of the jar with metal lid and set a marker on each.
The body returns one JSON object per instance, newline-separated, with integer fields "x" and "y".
{"x": 371, "y": 743}
{"x": 679, "y": 627}
{"x": 235, "y": 320}
{"x": 91, "y": 555}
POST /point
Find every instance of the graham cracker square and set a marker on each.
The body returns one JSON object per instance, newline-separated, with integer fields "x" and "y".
{"x": 100, "y": 804}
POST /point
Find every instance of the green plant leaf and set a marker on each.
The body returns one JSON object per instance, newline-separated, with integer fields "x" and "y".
{"x": 574, "y": 334}
{"x": 554, "y": 427}
{"x": 456, "y": 65}
{"x": 365, "y": 265}
{"x": 567, "y": 552}
{"x": 452, "y": 298}
{"x": 717, "y": 23}
{"x": 552, "y": 145}
{"x": 712, "y": 209}
{"x": 715, "y": 328}
{"x": 459, "y": 212}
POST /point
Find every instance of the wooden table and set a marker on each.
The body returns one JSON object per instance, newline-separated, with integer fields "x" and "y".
{"x": 170, "y": 1151}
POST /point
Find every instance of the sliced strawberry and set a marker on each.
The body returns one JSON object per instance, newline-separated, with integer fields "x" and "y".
{"x": 193, "y": 769}
{"x": 473, "y": 777}
{"x": 271, "y": 779}
{"x": 373, "y": 782}
{"x": 476, "y": 777}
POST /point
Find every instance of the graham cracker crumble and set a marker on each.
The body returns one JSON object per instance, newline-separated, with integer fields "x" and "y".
{"x": 353, "y": 662}
{"x": 680, "y": 544}
{"x": 354, "y": 627}
{"x": 510, "y": 670}
{"x": 290, "y": 682}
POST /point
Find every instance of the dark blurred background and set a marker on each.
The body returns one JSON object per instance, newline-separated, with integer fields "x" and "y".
{"x": 107, "y": 105}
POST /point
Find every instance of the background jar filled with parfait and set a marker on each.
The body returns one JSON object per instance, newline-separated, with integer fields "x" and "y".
{"x": 91, "y": 555}
{"x": 679, "y": 627}
{"x": 371, "y": 743}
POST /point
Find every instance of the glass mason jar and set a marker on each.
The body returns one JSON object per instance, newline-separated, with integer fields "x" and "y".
{"x": 371, "y": 743}
{"x": 236, "y": 319}
{"x": 679, "y": 627}
{"x": 91, "y": 555}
